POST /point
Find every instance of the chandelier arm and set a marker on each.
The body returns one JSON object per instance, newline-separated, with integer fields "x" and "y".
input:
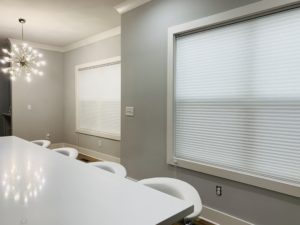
{"x": 23, "y": 60}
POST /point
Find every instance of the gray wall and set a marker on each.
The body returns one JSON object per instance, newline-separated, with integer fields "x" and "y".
{"x": 45, "y": 95}
{"x": 143, "y": 144}
{"x": 101, "y": 50}
{"x": 5, "y": 91}
{"x": 52, "y": 98}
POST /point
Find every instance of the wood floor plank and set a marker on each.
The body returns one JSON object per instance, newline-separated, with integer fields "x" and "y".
{"x": 197, "y": 222}
{"x": 86, "y": 158}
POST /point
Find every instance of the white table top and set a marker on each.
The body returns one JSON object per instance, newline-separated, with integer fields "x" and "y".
{"x": 42, "y": 187}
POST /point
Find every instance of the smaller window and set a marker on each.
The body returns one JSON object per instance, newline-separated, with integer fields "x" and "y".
{"x": 98, "y": 98}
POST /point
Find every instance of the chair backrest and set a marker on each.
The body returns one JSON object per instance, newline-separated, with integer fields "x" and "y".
{"x": 43, "y": 143}
{"x": 112, "y": 167}
{"x": 176, "y": 188}
{"x": 70, "y": 152}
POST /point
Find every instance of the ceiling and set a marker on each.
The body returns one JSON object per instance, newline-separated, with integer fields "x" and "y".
{"x": 57, "y": 22}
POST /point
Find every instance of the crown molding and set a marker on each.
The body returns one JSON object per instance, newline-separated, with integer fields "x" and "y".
{"x": 129, "y": 5}
{"x": 90, "y": 40}
{"x": 93, "y": 39}
{"x": 37, "y": 45}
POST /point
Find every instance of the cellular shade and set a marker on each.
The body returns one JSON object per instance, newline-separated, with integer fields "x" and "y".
{"x": 99, "y": 97}
{"x": 237, "y": 97}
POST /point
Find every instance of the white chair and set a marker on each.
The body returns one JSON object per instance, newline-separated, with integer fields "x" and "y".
{"x": 70, "y": 152}
{"x": 179, "y": 189}
{"x": 43, "y": 143}
{"x": 112, "y": 167}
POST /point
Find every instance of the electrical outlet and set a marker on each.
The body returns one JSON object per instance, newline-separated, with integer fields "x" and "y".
{"x": 99, "y": 143}
{"x": 219, "y": 190}
{"x": 48, "y": 136}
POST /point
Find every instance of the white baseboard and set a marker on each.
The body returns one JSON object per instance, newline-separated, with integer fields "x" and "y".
{"x": 88, "y": 152}
{"x": 220, "y": 218}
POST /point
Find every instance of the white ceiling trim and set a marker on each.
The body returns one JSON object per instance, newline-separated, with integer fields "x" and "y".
{"x": 129, "y": 5}
{"x": 37, "y": 45}
{"x": 93, "y": 39}
{"x": 90, "y": 40}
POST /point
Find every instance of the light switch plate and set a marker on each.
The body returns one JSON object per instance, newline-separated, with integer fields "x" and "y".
{"x": 129, "y": 111}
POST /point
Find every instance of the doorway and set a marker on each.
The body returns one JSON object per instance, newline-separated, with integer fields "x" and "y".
{"x": 5, "y": 97}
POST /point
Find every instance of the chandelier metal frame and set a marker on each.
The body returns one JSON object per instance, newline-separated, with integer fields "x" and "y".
{"x": 23, "y": 60}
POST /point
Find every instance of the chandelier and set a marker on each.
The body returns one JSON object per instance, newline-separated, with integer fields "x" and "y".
{"x": 23, "y": 60}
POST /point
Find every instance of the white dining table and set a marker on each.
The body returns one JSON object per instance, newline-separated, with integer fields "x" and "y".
{"x": 42, "y": 187}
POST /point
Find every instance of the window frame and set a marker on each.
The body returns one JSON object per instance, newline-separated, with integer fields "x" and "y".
{"x": 113, "y": 60}
{"x": 244, "y": 13}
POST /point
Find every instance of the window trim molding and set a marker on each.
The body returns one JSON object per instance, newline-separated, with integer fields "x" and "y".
{"x": 116, "y": 60}
{"x": 232, "y": 16}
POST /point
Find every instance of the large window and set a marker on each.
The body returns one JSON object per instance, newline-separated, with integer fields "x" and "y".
{"x": 98, "y": 98}
{"x": 236, "y": 101}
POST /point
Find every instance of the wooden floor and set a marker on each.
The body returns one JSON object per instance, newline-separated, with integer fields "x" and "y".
{"x": 202, "y": 222}
{"x": 197, "y": 222}
{"x": 86, "y": 158}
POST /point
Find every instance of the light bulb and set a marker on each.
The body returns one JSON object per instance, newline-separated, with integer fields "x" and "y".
{"x": 23, "y": 59}
{"x": 4, "y": 70}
